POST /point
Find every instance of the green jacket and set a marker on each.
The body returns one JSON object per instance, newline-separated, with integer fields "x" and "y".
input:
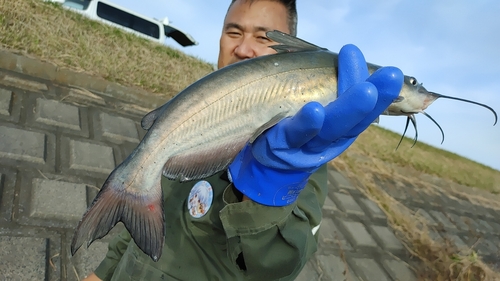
{"x": 232, "y": 241}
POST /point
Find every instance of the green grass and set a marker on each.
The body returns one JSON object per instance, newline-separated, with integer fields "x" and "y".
{"x": 51, "y": 33}
{"x": 380, "y": 144}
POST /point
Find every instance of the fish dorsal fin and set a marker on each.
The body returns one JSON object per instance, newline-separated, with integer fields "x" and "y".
{"x": 149, "y": 119}
{"x": 202, "y": 163}
{"x": 289, "y": 43}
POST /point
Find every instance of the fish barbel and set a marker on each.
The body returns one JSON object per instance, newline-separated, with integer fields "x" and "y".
{"x": 200, "y": 131}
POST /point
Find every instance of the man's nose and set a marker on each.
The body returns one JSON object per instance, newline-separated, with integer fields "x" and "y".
{"x": 246, "y": 49}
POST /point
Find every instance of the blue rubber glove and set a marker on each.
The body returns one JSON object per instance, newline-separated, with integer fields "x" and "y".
{"x": 274, "y": 169}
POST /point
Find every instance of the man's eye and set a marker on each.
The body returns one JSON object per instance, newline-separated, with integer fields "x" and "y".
{"x": 263, "y": 39}
{"x": 233, "y": 33}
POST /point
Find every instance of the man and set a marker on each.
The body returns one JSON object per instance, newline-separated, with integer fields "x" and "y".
{"x": 259, "y": 220}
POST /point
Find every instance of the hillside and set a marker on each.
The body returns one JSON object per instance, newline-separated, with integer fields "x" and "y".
{"x": 50, "y": 33}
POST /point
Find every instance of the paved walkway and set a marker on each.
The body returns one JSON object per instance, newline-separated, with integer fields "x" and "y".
{"x": 62, "y": 133}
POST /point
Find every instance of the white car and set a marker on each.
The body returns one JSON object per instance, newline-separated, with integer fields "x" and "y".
{"x": 127, "y": 20}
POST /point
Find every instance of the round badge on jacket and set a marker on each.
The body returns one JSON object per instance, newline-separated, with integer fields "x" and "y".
{"x": 200, "y": 199}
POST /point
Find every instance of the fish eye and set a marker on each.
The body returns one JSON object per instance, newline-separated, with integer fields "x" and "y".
{"x": 413, "y": 81}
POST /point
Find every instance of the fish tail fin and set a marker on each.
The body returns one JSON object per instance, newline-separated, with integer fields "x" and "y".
{"x": 141, "y": 214}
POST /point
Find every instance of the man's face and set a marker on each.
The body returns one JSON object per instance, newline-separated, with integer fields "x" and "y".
{"x": 244, "y": 31}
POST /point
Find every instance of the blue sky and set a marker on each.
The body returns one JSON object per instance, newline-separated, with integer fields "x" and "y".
{"x": 452, "y": 46}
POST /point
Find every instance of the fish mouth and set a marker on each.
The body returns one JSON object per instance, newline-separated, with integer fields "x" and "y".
{"x": 409, "y": 113}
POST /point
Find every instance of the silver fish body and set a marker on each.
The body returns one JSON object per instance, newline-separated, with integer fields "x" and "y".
{"x": 200, "y": 131}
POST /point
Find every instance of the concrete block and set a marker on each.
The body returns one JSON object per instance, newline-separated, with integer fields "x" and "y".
{"x": 11, "y": 105}
{"x": 372, "y": 209}
{"x": 412, "y": 192}
{"x": 466, "y": 207}
{"x": 50, "y": 200}
{"x": 482, "y": 211}
{"x": 368, "y": 269}
{"x": 457, "y": 220}
{"x": 432, "y": 198}
{"x": 61, "y": 200}
{"x": 455, "y": 239}
{"x": 347, "y": 203}
{"x": 67, "y": 77}
{"x": 435, "y": 236}
{"x": 22, "y": 145}
{"x": 387, "y": 238}
{"x": 495, "y": 225}
{"x": 493, "y": 263}
{"x": 334, "y": 268}
{"x": 485, "y": 227}
{"x": 133, "y": 109}
{"x": 8, "y": 60}
{"x": 7, "y": 194}
{"x": 339, "y": 181}
{"x": 487, "y": 247}
{"x": 82, "y": 95}
{"x": 118, "y": 129}
{"x": 134, "y": 95}
{"x": 28, "y": 85}
{"x": 5, "y": 102}
{"x": 23, "y": 256}
{"x": 86, "y": 259}
{"x": 329, "y": 205}
{"x": 35, "y": 67}
{"x": 358, "y": 235}
{"x": 448, "y": 202}
{"x": 330, "y": 235}
{"x": 441, "y": 219}
{"x": 394, "y": 191}
{"x": 427, "y": 217}
{"x": 399, "y": 270}
{"x": 494, "y": 212}
{"x": 5, "y": 204}
{"x": 58, "y": 114}
{"x": 471, "y": 223}
{"x": 89, "y": 157}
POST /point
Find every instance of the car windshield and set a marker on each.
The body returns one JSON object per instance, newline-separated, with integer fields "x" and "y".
{"x": 77, "y": 4}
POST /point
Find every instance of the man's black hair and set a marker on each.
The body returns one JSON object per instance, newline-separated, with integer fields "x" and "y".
{"x": 291, "y": 9}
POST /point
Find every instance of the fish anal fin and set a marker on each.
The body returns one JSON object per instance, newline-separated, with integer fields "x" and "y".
{"x": 203, "y": 163}
{"x": 289, "y": 43}
{"x": 142, "y": 215}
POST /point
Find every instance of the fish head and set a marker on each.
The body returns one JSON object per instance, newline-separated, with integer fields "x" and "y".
{"x": 412, "y": 99}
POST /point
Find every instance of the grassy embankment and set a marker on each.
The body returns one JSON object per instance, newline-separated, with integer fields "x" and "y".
{"x": 52, "y": 34}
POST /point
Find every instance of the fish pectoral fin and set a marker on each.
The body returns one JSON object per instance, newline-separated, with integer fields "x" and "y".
{"x": 268, "y": 125}
{"x": 149, "y": 119}
{"x": 203, "y": 162}
{"x": 289, "y": 43}
{"x": 142, "y": 215}
{"x": 398, "y": 99}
